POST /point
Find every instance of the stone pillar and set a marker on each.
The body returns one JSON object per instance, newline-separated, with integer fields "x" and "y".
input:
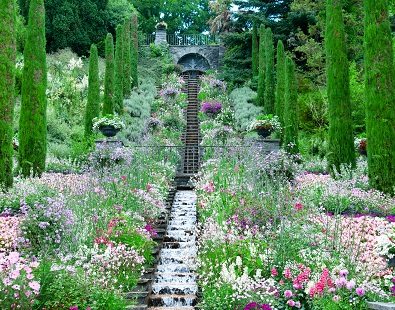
{"x": 161, "y": 34}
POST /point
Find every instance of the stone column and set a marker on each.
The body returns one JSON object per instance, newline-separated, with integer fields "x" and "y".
{"x": 161, "y": 34}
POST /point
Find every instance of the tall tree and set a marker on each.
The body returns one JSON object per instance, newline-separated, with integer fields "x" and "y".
{"x": 341, "y": 140}
{"x": 118, "y": 95}
{"x": 7, "y": 89}
{"x": 291, "y": 109}
{"x": 33, "y": 120}
{"x": 255, "y": 51}
{"x": 262, "y": 67}
{"x": 280, "y": 86}
{"x": 269, "y": 73}
{"x": 109, "y": 79}
{"x": 126, "y": 55}
{"x": 380, "y": 96}
{"x": 135, "y": 50}
{"x": 93, "y": 105}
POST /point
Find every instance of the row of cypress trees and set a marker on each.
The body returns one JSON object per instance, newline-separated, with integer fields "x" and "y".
{"x": 120, "y": 67}
{"x": 277, "y": 89}
{"x": 379, "y": 91}
{"x": 120, "y": 75}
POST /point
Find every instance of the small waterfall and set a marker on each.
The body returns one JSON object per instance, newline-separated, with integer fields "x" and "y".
{"x": 175, "y": 281}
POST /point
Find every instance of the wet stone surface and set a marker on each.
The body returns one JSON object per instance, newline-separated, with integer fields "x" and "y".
{"x": 175, "y": 284}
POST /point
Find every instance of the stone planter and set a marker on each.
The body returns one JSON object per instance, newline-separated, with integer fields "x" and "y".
{"x": 109, "y": 131}
{"x": 263, "y": 132}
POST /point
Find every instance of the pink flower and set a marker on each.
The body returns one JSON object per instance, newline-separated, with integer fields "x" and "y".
{"x": 336, "y": 298}
{"x": 274, "y": 272}
{"x": 34, "y": 285}
{"x": 287, "y": 273}
{"x": 209, "y": 188}
{"x": 7, "y": 281}
{"x": 28, "y": 293}
{"x": 360, "y": 291}
{"x": 350, "y": 285}
{"x": 29, "y": 276}
{"x": 298, "y": 206}
{"x": 15, "y": 274}
{"x": 341, "y": 282}
{"x": 288, "y": 294}
{"x": 13, "y": 257}
{"x": 343, "y": 273}
{"x": 291, "y": 303}
{"x": 16, "y": 287}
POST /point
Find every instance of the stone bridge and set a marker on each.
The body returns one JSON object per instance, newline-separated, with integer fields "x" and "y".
{"x": 195, "y": 52}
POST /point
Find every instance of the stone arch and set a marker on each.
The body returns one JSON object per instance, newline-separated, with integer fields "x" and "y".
{"x": 194, "y": 61}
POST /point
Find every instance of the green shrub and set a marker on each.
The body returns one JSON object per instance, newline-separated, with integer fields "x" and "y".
{"x": 244, "y": 109}
{"x": 7, "y": 90}
{"x": 109, "y": 81}
{"x": 32, "y": 122}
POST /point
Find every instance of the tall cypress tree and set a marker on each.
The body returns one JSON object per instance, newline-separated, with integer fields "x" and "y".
{"x": 262, "y": 67}
{"x": 291, "y": 109}
{"x": 135, "y": 50}
{"x": 93, "y": 105}
{"x": 380, "y": 97}
{"x": 33, "y": 120}
{"x": 7, "y": 89}
{"x": 109, "y": 80}
{"x": 280, "y": 86}
{"x": 341, "y": 140}
{"x": 269, "y": 73}
{"x": 255, "y": 51}
{"x": 126, "y": 55}
{"x": 118, "y": 95}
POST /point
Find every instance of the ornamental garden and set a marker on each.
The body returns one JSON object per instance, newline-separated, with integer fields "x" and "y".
{"x": 293, "y": 146}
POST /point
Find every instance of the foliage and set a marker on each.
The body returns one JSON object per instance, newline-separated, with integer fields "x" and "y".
{"x": 244, "y": 109}
{"x": 127, "y": 57}
{"x": 255, "y": 51}
{"x": 7, "y": 90}
{"x": 340, "y": 144}
{"x": 291, "y": 109}
{"x": 134, "y": 50}
{"x": 269, "y": 101}
{"x": 118, "y": 87}
{"x": 109, "y": 80}
{"x": 93, "y": 104}
{"x": 379, "y": 93}
{"x": 266, "y": 121}
{"x": 107, "y": 120}
{"x": 262, "y": 67}
{"x": 280, "y": 82}
{"x": 32, "y": 122}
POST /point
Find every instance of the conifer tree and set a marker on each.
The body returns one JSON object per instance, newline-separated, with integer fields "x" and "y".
{"x": 280, "y": 86}
{"x": 269, "y": 73}
{"x": 7, "y": 89}
{"x": 291, "y": 109}
{"x": 93, "y": 105}
{"x": 33, "y": 120}
{"x": 255, "y": 51}
{"x": 109, "y": 79}
{"x": 135, "y": 50}
{"x": 126, "y": 55}
{"x": 380, "y": 96}
{"x": 118, "y": 89}
{"x": 341, "y": 141}
{"x": 262, "y": 67}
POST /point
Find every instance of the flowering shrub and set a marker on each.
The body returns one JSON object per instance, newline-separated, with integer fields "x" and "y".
{"x": 45, "y": 225}
{"x": 9, "y": 232}
{"x": 18, "y": 286}
{"x": 211, "y": 107}
{"x": 267, "y": 122}
{"x": 108, "y": 120}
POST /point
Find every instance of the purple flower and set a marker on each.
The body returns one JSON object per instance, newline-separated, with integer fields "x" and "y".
{"x": 288, "y": 294}
{"x": 211, "y": 107}
{"x": 360, "y": 291}
{"x": 254, "y": 305}
{"x": 391, "y": 218}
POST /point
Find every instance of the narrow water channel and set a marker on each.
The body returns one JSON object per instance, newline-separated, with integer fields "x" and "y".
{"x": 175, "y": 281}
